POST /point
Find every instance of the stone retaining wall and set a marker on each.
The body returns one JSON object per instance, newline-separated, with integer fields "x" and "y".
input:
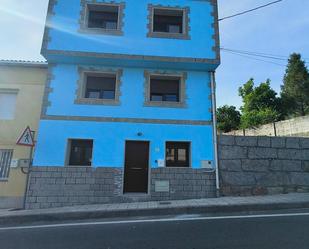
{"x": 67, "y": 186}
{"x": 263, "y": 165}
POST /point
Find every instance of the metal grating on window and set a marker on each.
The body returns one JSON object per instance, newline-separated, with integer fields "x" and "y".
{"x": 5, "y": 162}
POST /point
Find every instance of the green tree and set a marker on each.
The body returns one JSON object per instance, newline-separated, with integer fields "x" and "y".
{"x": 295, "y": 90}
{"x": 260, "y": 104}
{"x": 228, "y": 118}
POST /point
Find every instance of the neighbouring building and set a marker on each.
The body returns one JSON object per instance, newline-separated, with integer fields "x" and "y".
{"x": 21, "y": 94}
{"x": 127, "y": 112}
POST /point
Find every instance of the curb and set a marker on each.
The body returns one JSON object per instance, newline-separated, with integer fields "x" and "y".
{"x": 18, "y": 219}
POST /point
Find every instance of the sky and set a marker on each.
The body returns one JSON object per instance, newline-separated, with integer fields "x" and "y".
{"x": 280, "y": 29}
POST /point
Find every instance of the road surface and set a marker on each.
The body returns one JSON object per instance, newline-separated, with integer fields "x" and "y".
{"x": 259, "y": 231}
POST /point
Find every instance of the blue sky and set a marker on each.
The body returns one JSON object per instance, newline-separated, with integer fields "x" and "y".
{"x": 280, "y": 29}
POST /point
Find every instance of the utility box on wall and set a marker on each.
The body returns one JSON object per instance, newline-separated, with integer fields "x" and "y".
{"x": 162, "y": 186}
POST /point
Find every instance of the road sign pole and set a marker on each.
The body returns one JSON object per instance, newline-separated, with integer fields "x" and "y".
{"x": 28, "y": 173}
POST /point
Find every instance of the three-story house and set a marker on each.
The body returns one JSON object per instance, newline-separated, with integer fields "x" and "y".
{"x": 127, "y": 113}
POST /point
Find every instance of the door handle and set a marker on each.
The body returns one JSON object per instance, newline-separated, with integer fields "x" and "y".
{"x": 135, "y": 168}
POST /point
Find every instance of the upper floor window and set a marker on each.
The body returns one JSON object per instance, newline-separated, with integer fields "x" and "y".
{"x": 8, "y": 99}
{"x": 168, "y": 22}
{"x": 164, "y": 89}
{"x": 102, "y": 18}
{"x": 100, "y": 86}
{"x": 97, "y": 86}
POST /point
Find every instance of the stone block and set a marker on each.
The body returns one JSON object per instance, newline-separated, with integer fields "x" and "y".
{"x": 230, "y": 165}
{"x": 275, "y": 190}
{"x": 264, "y": 141}
{"x": 80, "y": 180}
{"x": 285, "y": 165}
{"x": 305, "y": 166}
{"x": 226, "y": 140}
{"x": 304, "y": 143}
{"x": 274, "y": 179}
{"x": 299, "y": 178}
{"x": 262, "y": 153}
{"x": 255, "y": 165}
{"x": 302, "y": 189}
{"x": 305, "y": 154}
{"x": 246, "y": 141}
{"x": 238, "y": 178}
{"x": 290, "y": 165}
{"x": 232, "y": 152}
{"x": 278, "y": 142}
{"x": 290, "y": 154}
{"x": 275, "y": 165}
{"x": 259, "y": 191}
{"x": 292, "y": 143}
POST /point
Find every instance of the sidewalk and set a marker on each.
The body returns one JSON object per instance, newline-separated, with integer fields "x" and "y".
{"x": 196, "y": 206}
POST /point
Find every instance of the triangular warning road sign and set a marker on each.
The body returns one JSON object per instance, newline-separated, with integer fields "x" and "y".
{"x": 26, "y": 138}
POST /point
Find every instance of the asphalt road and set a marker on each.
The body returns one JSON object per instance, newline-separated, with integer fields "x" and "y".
{"x": 270, "y": 231}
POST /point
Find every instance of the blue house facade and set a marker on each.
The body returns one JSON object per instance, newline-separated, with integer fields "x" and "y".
{"x": 127, "y": 113}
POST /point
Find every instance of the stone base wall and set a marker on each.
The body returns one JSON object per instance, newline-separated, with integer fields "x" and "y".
{"x": 67, "y": 186}
{"x": 263, "y": 165}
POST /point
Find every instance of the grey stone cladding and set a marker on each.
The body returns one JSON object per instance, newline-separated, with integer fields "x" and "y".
{"x": 67, "y": 186}
{"x": 263, "y": 165}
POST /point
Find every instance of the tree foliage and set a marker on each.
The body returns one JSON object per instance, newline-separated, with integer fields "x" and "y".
{"x": 228, "y": 118}
{"x": 260, "y": 104}
{"x": 295, "y": 90}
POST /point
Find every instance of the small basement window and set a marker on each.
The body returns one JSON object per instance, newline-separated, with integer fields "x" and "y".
{"x": 102, "y": 16}
{"x": 177, "y": 154}
{"x": 80, "y": 152}
{"x": 168, "y": 21}
{"x": 165, "y": 88}
{"x": 100, "y": 86}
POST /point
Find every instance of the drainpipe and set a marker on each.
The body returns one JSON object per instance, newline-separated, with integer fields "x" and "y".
{"x": 214, "y": 123}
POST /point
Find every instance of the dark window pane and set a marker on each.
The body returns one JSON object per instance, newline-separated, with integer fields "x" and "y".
{"x": 109, "y": 94}
{"x": 177, "y": 154}
{"x": 104, "y": 17}
{"x": 171, "y": 97}
{"x": 92, "y": 94}
{"x": 100, "y": 87}
{"x": 155, "y": 97}
{"x": 168, "y": 21}
{"x": 164, "y": 89}
{"x": 81, "y": 152}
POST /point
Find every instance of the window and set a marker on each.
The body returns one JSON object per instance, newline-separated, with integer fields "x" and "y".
{"x": 102, "y": 18}
{"x": 80, "y": 152}
{"x": 7, "y": 104}
{"x": 97, "y": 86}
{"x": 168, "y": 22}
{"x": 100, "y": 86}
{"x": 5, "y": 163}
{"x": 164, "y": 88}
{"x": 177, "y": 154}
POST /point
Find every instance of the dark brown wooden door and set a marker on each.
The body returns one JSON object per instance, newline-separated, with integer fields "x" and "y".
{"x": 136, "y": 167}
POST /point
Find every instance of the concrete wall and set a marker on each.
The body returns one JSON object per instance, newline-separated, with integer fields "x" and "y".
{"x": 66, "y": 31}
{"x": 296, "y": 127}
{"x": 67, "y": 186}
{"x": 263, "y": 165}
{"x": 64, "y": 87}
{"x": 29, "y": 81}
{"x": 109, "y": 141}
